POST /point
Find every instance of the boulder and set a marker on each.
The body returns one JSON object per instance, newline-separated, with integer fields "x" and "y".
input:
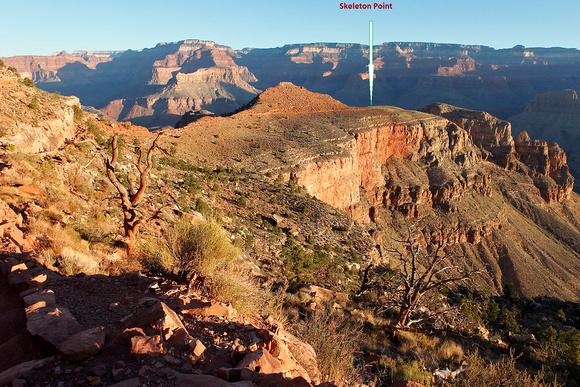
{"x": 53, "y": 324}
{"x": 145, "y": 346}
{"x": 303, "y": 353}
{"x": 84, "y": 344}
{"x": 46, "y": 296}
{"x": 158, "y": 319}
{"x": 261, "y": 361}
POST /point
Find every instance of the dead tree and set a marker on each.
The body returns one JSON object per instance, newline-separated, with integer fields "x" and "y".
{"x": 424, "y": 270}
{"x": 130, "y": 196}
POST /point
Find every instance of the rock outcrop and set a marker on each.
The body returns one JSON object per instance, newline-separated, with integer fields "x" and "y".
{"x": 152, "y": 335}
{"x": 490, "y": 134}
{"x": 545, "y": 164}
{"x": 554, "y": 117}
{"x": 32, "y": 120}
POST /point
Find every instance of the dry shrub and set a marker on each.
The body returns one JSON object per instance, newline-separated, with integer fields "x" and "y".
{"x": 335, "y": 341}
{"x": 416, "y": 344}
{"x": 504, "y": 372}
{"x": 73, "y": 262}
{"x": 204, "y": 251}
{"x": 451, "y": 352}
{"x": 63, "y": 248}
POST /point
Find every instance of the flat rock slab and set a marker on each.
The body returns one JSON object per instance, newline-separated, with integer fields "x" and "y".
{"x": 145, "y": 346}
{"x": 53, "y": 324}
{"x": 7, "y": 264}
{"x": 84, "y": 344}
{"x": 21, "y": 370}
{"x": 47, "y": 296}
{"x": 201, "y": 308}
{"x": 21, "y": 280}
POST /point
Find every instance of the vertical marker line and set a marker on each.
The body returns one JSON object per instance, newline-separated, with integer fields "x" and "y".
{"x": 371, "y": 62}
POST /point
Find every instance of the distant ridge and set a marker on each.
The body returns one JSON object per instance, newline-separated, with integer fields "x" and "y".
{"x": 155, "y": 86}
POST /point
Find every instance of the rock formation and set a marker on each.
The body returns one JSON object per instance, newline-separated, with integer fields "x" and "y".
{"x": 554, "y": 117}
{"x": 32, "y": 120}
{"x": 546, "y": 164}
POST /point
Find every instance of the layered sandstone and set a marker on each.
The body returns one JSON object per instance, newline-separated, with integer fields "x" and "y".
{"x": 492, "y": 135}
{"x": 46, "y": 68}
{"x": 409, "y": 75}
{"x": 554, "y": 117}
{"x": 545, "y": 164}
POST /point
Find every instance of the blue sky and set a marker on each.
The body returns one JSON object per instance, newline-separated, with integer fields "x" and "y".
{"x": 41, "y": 27}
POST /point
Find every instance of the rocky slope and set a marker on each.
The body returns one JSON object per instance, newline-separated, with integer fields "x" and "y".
{"x": 554, "y": 116}
{"x": 285, "y": 175}
{"x": 151, "y": 86}
{"x": 383, "y": 165}
{"x": 32, "y": 120}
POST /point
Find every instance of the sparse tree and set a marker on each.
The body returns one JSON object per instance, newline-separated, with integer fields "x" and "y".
{"x": 440, "y": 268}
{"x": 422, "y": 271}
{"x": 130, "y": 196}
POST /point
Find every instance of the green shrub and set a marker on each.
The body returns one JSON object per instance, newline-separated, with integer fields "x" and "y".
{"x": 202, "y": 207}
{"x": 14, "y": 71}
{"x": 28, "y": 82}
{"x": 78, "y": 113}
{"x": 2, "y": 65}
{"x": 410, "y": 371}
{"x": 570, "y": 344}
{"x": 34, "y": 103}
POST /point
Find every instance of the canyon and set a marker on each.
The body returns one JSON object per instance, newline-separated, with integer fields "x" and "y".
{"x": 311, "y": 191}
{"x": 154, "y": 87}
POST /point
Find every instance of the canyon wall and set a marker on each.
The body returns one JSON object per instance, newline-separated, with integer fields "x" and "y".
{"x": 409, "y": 75}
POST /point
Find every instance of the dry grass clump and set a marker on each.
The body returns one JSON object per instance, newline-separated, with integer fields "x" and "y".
{"x": 63, "y": 247}
{"x": 73, "y": 262}
{"x": 203, "y": 255}
{"x": 335, "y": 341}
{"x": 451, "y": 352}
{"x": 504, "y": 372}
